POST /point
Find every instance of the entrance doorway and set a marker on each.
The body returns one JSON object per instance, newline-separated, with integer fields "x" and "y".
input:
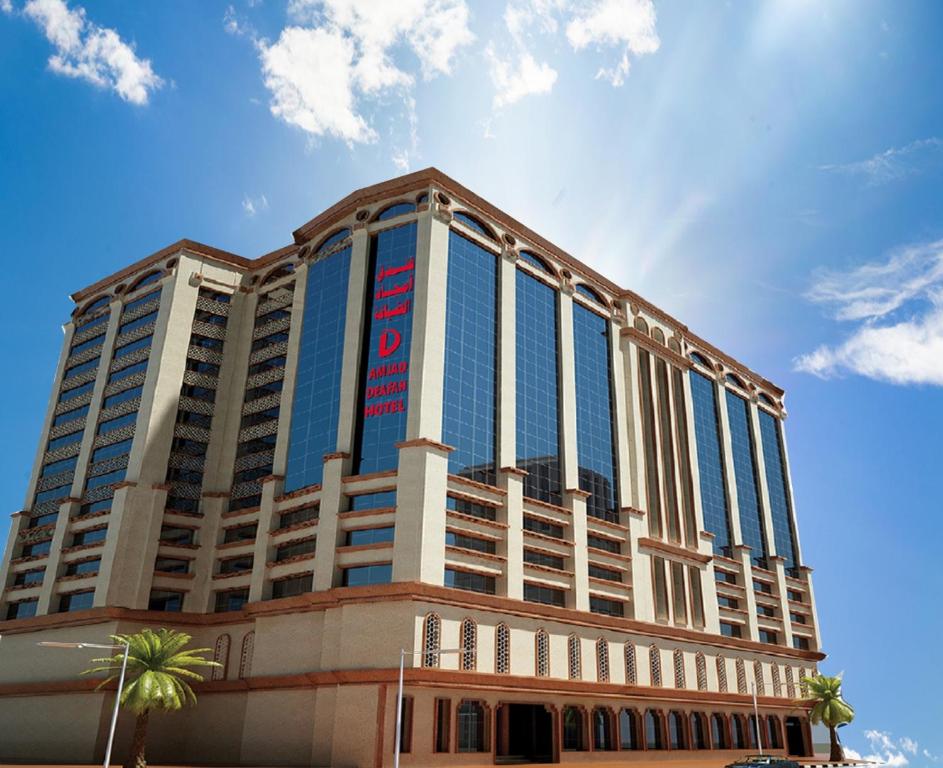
{"x": 524, "y": 734}
{"x": 795, "y": 738}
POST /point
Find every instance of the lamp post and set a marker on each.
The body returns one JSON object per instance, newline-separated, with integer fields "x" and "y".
{"x": 756, "y": 719}
{"x": 403, "y": 653}
{"x": 124, "y": 666}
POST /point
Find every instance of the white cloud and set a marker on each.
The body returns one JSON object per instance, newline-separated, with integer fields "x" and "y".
{"x": 898, "y": 305}
{"x": 6, "y": 6}
{"x": 518, "y": 78}
{"x": 235, "y": 25}
{"x": 885, "y": 750}
{"x": 629, "y": 24}
{"x": 89, "y": 52}
{"x": 253, "y": 205}
{"x": 341, "y": 56}
{"x": 894, "y": 163}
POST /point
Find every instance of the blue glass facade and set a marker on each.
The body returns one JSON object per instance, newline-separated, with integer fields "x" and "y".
{"x": 776, "y": 482}
{"x": 316, "y": 405}
{"x": 595, "y": 436}
{"x": 710, "y": 462}
{"x": 748, "y": 494}
{"x": 469, "y": 411}
{"x": 538, "y": 389}
{"x": 385, "y": 369}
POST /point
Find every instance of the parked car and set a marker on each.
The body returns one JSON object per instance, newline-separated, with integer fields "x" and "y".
{"x": 763, "y": 761}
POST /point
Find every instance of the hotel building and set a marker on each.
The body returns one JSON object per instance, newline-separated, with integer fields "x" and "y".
{"x": 420, "y": 426}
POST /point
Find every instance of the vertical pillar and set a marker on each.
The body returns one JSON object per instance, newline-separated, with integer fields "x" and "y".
{"x": 327, "y": 531}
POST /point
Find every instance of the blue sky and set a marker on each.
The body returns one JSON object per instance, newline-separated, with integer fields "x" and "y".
{"x": 771, "y": 173}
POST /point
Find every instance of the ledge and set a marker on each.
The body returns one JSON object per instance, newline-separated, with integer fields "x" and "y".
{"x": 673, "y": 550}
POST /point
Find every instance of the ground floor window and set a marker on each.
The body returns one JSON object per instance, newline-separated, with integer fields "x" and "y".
{"x": 443, "y": 725}
{"x": 573, "y": 729}
{"x": 676, "y": 731}
{"x": 602, "y": 729}
{"x": 628, "y": 729}
{"x": 406, "y": 726}
{"x": 653, "y": 735}
{"x": 471, "y": 727}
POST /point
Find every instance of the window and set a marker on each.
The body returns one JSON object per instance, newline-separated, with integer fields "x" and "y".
{"x": 574, "y": 658}
{"x": 469, "y": 410}
{"x": 738, "y": 732}
{"x": 543, "y": 527}
{"x": 72, "y": 394}
{"x": 140, "y": 301}
{"x": 725, "y": 576}
{"x": 201, "y": 420}
{"x": 800, "y": 643}
{"x": 60, "y": 442}
{"x": 201, "y": 366}
{"x": 654, "y": 662}
{"x": 797, "y": 618}
{"x": 574, "y": 727}
{"x": 83, "y": 567}
{"x": 628, "y": 729}
{"x": 108, "y": 478}
{"x": 75, "y": 413}
{"x": 470, "y": 722}
{"x": 296, "y": 585}
{"x": 443, "y": 735}
{"x": 602, "y": 660}
{"x": 55, "y": 467}
{"x": 238, "y": 564}
{"x": 778, "y": 485}
{"x": 700, "y": 667}
{"x": 110, "y": 451}
{"x": 794, "y": 595}
{"x": 697, "y": 599}
{"x": 206, "y": 394}
{"x": 741, "y": 676}
{"x": 269, "y": 364}
{"x": 267, "y": 341}
{"x": 605, "y": 544}
{"x": 542, "y": 653}
{"x": 333, "y": 240}
{"x": 164, "y": 600}
{"x": 76, "y": 601}
{"x": 138, "y": 322}
{"x": 381, "y": 420}
{"x": 653, "y": 734}
{"x": 535, "y": 261}
{"x": 240, "y": 533}
{"x": 765, "y": 610}
{"x": 95, "y": 508}
{"x": 631, "y": 668}
{"x": 763, "y": 587}
{"x": 93, "y": 536}
{"x": 188, "y": 447}
{"x": 171, "y": 565}
{"x": 381, "y": 500}
{"x": 370, "y": 536}
{"x": 473, "y": 582}
{"x": 537, "y": 375}
{"x": 721, "y": 664}
{"x": 88, "y": 343}
{"x": 132, "y": 346}
{"x": 298, "y": 516}
{"x": 29, "y": 577}
{"x": 380, "y": 573}
{"x": 652, "y": 483}
{"x": 118, "y": 422}
{"x": 398, "y": 209}
{"x": 206, "y": 342}
{"x": 728, "y": 602}
{"x": 596, "y": 446}
{"x": 38, "y": 549}
{"x": 544, "y": 559}
{"x": 537, "y": 593}
{"x": 127, "y": 371}
{"x": 748, "y": 497}
{"x": 177, "y": 536}
{"x": 293, "y": 549}
{"x": 502, "y": 649}
{"x": 730, "y": 630}
{"x": 189, "y": 476}
{"x": 464, "y": 541}
{"x": 53, "y": 494}
{"x": 606, "y": 606}
{"x": 606, "y": 574}
{"x": 473, "y": 223}
{"x": 602, "y": 730}
{"x": 431, "y": 638}
{"x": 468, "y": 637}
{"x": 36, "y": 522}
{"x": 406, "y": 726}
{"x": 678, "y": 658}
{"x": 719, "y": 731}
{"x": 75, "y": 370}
{"x": 465, "y": 507}
{"x": 660, "y": 587}
{"x": 231, "y": 600}
{"x": 24, "y": 609}
{"x": 676, "y": 735}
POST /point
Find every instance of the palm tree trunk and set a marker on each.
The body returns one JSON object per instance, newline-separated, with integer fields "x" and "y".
{"x": 136, "y": 755}
{"x": 835, "y": 752}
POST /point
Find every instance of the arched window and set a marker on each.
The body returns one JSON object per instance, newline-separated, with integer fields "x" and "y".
{"x": 628, "y": 729}
{"x": 602, "y": 730}
{"x": 722, "y": 674}
{"x": 602, "y": 660}
{"x": 719, "y": 731}
{"x": 738, "y": 732}
{"x": 423, "y": 198}
{"x": 679, "y": 668}
{"x": 758, "y": 677}
{"x": 741, "y": 677}
{"x": 699, "y": 359}
{"x": 573, "y": 729}
{"x": 473, "y": 223}
{"x": 676, "y": 736}
{"x": 245, "y": 659}
{"x": 535, "y": 261}
{"x": 470, "y": 725}
{"x": 575, "y": 663}
{"x": 331, "y": 240}
{"x": 278, "y": 273}
{"x": 698, "y": 731}
{"x": 148, "y": 279}
{"x": 653, "y": 734}
{"x": 803, "y": 686}
{"x": 631, "y": 671}
{"x": 658, "y": 335}
{"x": 654, "y": 662}
{"x": 790, "y": 683}
{"x": 764, "y": 398}
{"x": 502, "y": 649}
{"x": 640, "y": 324}
{"x": 221, "y": 656}
{"x": 584, "y": 290}
{"x": 700, "y": 664}
{"x": 469, "y": 636}
{"x": 542, "y": 653}
{"x": 431, "y": 639}
{"x": 774, "y": 738}
{"x": 777, "y": 681}
{"x": 673, "y": 345}
{"x": 96, "y": 305}
{"x": 397, "y": 209}
{"x": 735, "y": 380}
{"x": 753, "y": 732}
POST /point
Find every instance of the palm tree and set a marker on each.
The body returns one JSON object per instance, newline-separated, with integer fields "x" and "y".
{"x": 156, "y": 678}
{"x": 829, "y": 708}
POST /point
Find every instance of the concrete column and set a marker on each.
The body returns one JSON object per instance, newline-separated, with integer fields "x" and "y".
{"x": 327, "y": 531}
{"x": 568, "y": 435}
{"x": 263, "y": 550}
{"x": 575, "y": 501}
{"x": 200, "y": 597}
{"x": 511, "y": 479}
{"x": 353, "y": 340}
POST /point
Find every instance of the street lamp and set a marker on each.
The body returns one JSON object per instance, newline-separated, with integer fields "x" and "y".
{"x": 124, "y": 665}
{"x": 756, "y": 719}
{"x": 403, "y": 653}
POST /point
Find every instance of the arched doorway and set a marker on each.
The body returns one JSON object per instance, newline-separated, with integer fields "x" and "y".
{"x": 524, "y": 734}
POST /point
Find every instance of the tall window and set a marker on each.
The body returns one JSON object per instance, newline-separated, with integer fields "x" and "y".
{"x": 741, "y": 676}
{"x": 316, "y": 405}
{"x": 684, "y": 457}
{"x": 538, "y": 398}
{"x": 471, "y": 343}
{"x": 698, "y": 732}
{"x": 653, "y": 731}
{"x": 628, "y": 729}
{"x": 710, "y": 462}
{"x": 602, "y": 660}
{"x": 654, "y": 662}
{"x": 748, "y": 496}
{"x": 469, "y": 635}
{"x": 575, "y": 662}
{"x": 631, "y": 670}
{"x": 676, "y": 731}
{"x": 667, "y": 451}
{"x": 700, "y": 665}
{"x": 595, "y": 436}
{"x": 502, "y": 649}
{"x": 573, "y": 729}
{"x": 719, "y": 738}
{"x": 471, "y": 727}
{"x": 679, "y": 668}
{"x": 776, "y": 481}
{"x": 542, "y": 651}
{"x": 758, "y": 676}
{"x": 721, "y": 674}
{"x": 385, "y": 367}
{"x": 652, "y": 486}
{"x": 602, "y": 730}
{"x": 431, "y": 638}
